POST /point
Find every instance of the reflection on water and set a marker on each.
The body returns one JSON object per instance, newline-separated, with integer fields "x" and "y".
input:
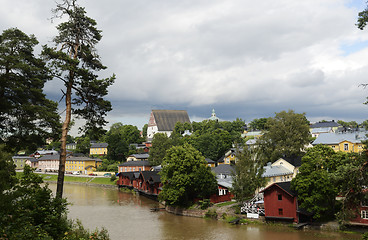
{"x": 128, "y": 216}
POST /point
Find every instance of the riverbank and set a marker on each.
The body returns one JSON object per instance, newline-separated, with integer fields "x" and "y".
{"x": 227, "y": 212}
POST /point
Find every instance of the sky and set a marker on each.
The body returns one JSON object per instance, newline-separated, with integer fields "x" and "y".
{"x": 245, "y": 59}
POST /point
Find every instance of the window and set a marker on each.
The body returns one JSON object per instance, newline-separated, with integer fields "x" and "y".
{"x": 274, "y": 179}
{"x": 364, "y": 214}
{"x": 281, "y": 212}
{"x": 346, "y": 147}
{"x": 279, "y": 197}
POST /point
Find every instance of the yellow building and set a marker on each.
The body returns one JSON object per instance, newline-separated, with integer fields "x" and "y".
{"x": 229, "y": 157}
{"x": 98, "y": 149}
{"x": 283, "y": 170}
{"x": 84, "y": 165}
{"x": 345, "y": 142}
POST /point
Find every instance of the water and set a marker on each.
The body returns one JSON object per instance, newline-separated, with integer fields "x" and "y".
{"x": 128, "y": 216}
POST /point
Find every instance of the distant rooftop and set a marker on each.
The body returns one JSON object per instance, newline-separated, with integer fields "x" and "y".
{"x": 336, "y": 138}
{"x": 328, "y": 124}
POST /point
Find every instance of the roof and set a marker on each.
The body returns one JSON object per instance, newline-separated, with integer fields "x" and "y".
{"x": 320, "y": 130}
{"x": 47, "y": 152}
{"x": 295, "y": 161}
{"x": 224, "y": 169}
{"x": 324, "y": 124}
{"x": 286, "y": 186}
{"x": 99, "y": 145}
{"x": 278, "y": 170}
{"x": 336, "y": 138}
{"x": 140, "y": 156}
{"x": 73, "y": 158}
{"x": 210, "y": 161}
{"x": 135, "y": 163}
{"x": 151, "y": 175}
{"x": 227, "y": 182}
{"x": 22, "y": 157}
{"x": 166, "y": 119}
{"x": 49, "y": 157}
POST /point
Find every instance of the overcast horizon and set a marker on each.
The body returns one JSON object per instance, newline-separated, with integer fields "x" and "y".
{"x": 244, "y": 59}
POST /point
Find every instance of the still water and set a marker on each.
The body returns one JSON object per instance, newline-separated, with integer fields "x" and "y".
{"x": 128, "y": 216}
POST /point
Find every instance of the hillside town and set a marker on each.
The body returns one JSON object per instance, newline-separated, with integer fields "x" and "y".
{"x": 275, "y": 199}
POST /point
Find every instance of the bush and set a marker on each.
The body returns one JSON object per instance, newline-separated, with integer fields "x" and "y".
{"x": 113, "y": 178}
{"x": 211, "y": 213}
{"x": 206, "y": 203}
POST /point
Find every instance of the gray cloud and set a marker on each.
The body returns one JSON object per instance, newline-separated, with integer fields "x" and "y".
{"x": 245, "y": 59}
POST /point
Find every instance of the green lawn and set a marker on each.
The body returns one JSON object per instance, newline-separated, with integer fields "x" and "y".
{"x": 96, "y": 180}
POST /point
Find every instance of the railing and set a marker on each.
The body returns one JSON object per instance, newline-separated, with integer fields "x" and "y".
{"x": 252, "y": 207}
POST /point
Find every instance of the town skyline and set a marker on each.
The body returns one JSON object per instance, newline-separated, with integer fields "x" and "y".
{"x": 244, "y": 59}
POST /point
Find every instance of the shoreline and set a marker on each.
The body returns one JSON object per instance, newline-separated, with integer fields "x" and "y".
{"x": 221, "y": 215}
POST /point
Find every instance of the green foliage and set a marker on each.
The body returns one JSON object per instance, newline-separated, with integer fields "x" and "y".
{"x": 27, "y": 118}
{"x": 205, "y": 203}
{"x": 83, "y": 145}
{"x": 185, "y": 176}
{"x": 316, "y": 183}
{"x": 160, "y": 144}
{"x": 351, "y": 124}
{"x": 30, "y": 205}
{"x": 258, "y": 124}
{"x": 248, "y": 173}
{"x": 287, "y": 135}
{"x": 211, "y": 213}
{"x": 113, "y": 178}
{"x": 119, "y": 137}
{"x": 78, "y": 232}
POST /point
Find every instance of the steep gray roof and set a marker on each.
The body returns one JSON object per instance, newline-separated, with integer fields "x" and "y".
{"x": 227, "y": 182}
{"x": 73, "y": 158}
{"x": 279, "y": 170}
{"x": 49, "y": 157}
{"x": 135, "y": 163}
{"x": 224, "y": 169}
{"x": 335, "y": 138}
{"x": 140, "y": 155}
{"x": 99, "y": 145}
{"x": 166, "y": 119}
{"x": 324, "y": 124}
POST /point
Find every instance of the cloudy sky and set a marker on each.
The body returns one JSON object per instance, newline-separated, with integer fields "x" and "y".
{"x": 246, "y": 59}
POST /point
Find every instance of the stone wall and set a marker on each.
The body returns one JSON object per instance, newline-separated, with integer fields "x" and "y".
{"x": 186, "y": 212}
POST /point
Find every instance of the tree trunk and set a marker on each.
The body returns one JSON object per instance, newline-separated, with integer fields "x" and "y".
{"x": 64, "y": 133}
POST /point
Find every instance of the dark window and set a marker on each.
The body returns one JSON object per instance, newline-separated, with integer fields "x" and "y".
{"x": 279, "y": 197}
{"x": 281, "y": 211}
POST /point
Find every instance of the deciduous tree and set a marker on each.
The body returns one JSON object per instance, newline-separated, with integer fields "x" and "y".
{"x": 247, "y": 177}
{"x": 75, "y": 62}
{"x": 185, "y": 176}
{"x": 287, "y": 135}
{"x": 316, "y": 183}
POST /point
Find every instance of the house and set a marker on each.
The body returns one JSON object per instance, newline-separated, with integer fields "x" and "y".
{"x": 280, "y": 202}
{"x": 224, "y": 179}
{"x": 98, "y": 149}
{"x": 21, "y": 161}
{"x": 71, "y": 146}
{"x": 133, "y": 166}
{"x": 138, "y": 157}
{"x": 228, "y": 158}
{"x": 210, "y": 162}
{"x": 164, "y": 121}
{"x": 83, "y": 165}
{"x": 343, "y": 141}
{"x": 49, "y": 163}
{"x": 282, "y": 170}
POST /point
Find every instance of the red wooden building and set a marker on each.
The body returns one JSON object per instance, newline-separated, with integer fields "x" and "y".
{"x": 223, "y": 192}
{"x": 280, "y": 202}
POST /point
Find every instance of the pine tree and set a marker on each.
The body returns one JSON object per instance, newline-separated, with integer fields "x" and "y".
{"x": 75, "y": 62}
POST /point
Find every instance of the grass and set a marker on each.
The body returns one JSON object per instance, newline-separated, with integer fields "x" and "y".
{"x": 224, "y": 204}
{"x": 96, "y": 180}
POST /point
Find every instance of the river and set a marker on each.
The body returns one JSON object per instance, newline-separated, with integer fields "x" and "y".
{"x": 128, "y": 216}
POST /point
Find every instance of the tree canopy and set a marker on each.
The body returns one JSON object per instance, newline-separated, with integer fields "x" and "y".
{"x": 316, "y": 183}
{"x": 185, "y": 176}
{"x": 287, "y": 135}
{"x": 247, "y": 177}
{"x": 27, "y": 117}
